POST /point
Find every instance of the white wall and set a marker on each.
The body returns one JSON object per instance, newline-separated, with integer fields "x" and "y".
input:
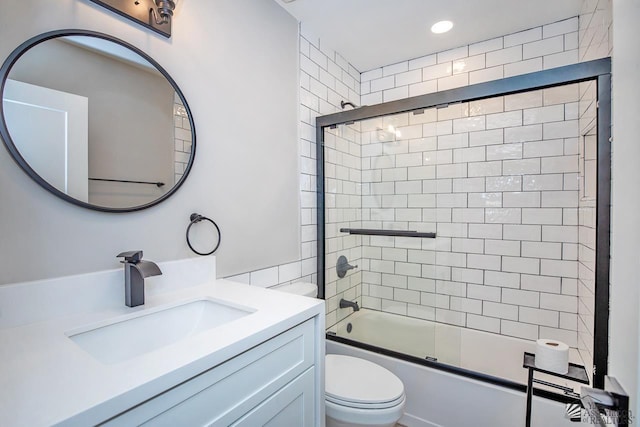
{"x": 326, "y": 78}
{"x": 236, "y": 62}
{"x": 624, "y": 320}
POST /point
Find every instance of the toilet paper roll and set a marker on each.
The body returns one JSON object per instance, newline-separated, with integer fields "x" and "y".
{"x": 552, "y": 355}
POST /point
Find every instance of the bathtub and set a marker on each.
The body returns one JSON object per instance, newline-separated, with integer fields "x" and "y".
{"x": 436, "y": 398}
{"x": 494, "y": 357}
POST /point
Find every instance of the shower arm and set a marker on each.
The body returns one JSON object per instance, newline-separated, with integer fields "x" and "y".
{"x": 345, "y": 103}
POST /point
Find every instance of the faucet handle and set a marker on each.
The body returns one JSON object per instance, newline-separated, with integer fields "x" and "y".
{"x": 342, "y": 266}
{"x": 133, "y": 257}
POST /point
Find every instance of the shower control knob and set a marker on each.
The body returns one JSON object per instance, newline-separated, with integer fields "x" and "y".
{"x": 342, "y": 266}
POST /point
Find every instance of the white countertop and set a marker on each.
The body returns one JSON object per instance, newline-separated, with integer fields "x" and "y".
{"x": 45, "y": 378}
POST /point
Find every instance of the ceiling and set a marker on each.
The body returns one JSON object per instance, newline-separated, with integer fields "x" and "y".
{"x": 373, "y": 33}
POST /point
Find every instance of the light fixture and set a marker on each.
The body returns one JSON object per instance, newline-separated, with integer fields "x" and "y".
{"x": 165, "y": 11}
{"x": 441, "y": 27}
{"x": 153, "y": 14}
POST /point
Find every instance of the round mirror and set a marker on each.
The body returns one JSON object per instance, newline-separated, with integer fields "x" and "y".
{"x": 95, "y": 121}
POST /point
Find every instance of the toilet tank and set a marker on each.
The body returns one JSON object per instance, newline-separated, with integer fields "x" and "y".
{"x": 300, "y": 288}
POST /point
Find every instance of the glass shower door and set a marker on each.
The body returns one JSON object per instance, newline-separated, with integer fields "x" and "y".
{"x": 505, "y": 183}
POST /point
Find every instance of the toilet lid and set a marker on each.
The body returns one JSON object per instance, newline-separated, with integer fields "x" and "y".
{"x": 356, "y": 382}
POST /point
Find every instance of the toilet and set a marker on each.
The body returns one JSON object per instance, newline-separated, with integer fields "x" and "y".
{"x": 361, "y": 393}
{"x": 357, "y": 392}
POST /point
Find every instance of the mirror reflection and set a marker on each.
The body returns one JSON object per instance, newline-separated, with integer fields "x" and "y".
{"x": 98, "y": 122}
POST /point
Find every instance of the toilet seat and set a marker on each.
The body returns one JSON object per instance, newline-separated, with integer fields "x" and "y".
{"x": 359, "y": 405}
{"x": 357, "y": 383}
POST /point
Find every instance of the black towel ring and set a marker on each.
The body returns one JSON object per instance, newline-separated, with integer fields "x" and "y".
{"x": 195, "y": 218}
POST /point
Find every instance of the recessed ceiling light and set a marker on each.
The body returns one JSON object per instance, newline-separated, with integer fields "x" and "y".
{"x": 441, "y": 27}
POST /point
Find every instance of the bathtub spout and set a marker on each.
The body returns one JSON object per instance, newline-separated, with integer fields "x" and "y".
{"x": 353, "y": 304}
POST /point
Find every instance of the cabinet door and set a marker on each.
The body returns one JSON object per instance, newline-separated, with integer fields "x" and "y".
{"x": 292, "y": 405}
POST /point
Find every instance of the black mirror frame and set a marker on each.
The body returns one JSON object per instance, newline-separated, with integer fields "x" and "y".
{"x": 17, "y": 157}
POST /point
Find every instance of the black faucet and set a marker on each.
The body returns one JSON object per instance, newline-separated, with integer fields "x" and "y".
{"x": 353, "y": 304}
{"x": 135, "y": 270}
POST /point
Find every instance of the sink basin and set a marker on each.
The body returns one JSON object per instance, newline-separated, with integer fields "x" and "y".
{"x": 127, "y": 338}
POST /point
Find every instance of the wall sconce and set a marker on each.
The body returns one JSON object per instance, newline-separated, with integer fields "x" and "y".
{"x": 165, "y": 11}
{"x": 153, "y": 14}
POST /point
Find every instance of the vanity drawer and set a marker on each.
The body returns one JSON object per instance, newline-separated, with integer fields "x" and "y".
{"x": 223, "y": 394}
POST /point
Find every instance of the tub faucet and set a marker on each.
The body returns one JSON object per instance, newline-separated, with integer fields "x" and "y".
{"x": 353, "y": 304}
{"x": 135, "y": 270}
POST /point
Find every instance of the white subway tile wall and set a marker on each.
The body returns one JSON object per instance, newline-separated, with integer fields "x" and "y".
{"x": 326, "y": 79}
{"x": 343, "y": 209}
{"x": 182, "y": 138}
{"x": 594, "y": 42}
{"x": 594, "y": 36}
{"x": 492, "y": 185}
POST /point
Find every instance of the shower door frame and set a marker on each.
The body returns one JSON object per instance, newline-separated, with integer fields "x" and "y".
{"x": 598, "y": 70}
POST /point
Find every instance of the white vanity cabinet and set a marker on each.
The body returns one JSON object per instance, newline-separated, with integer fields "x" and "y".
{"x": 265, "y": 367}
{"x": 274, "y": 384}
